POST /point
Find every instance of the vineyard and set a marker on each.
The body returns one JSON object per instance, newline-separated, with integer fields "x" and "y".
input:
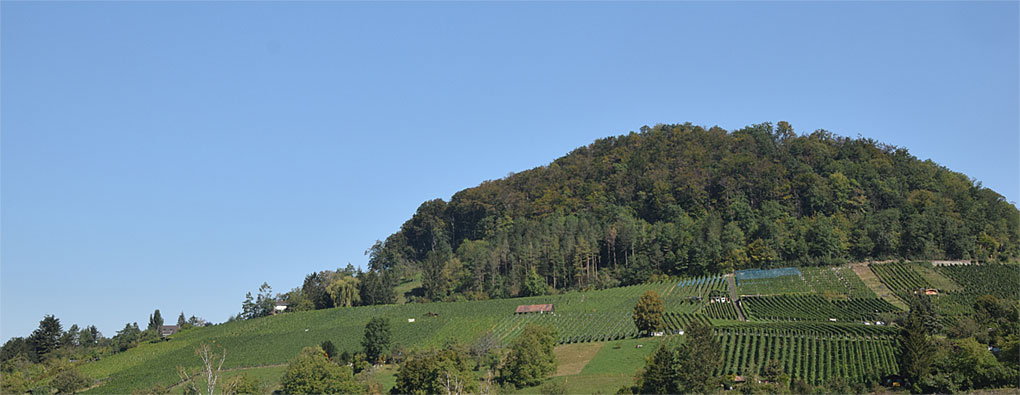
{"x": 991, "y": 279}
{"x": 805, "y": 355}
{"x": 721, "y": 311}
{"x": 790, "y": 315}
{"x": 814, "y": 308}
{"x": 958, "y": 286}
{"x": 771, "y": 282}
{"x": 580, "y": 317}
{"x": 901, "y": 278}
{"x": 834, "y": 282}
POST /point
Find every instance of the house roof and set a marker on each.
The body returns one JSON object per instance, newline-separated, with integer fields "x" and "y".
{"x": 534, "y": 308}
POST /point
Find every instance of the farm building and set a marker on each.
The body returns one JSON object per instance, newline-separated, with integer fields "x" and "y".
{"x": 534, "y": 308}
{"x": 168, "y": 330}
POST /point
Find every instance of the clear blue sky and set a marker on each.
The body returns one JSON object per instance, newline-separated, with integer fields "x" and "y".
{"x": 176, "y": 155}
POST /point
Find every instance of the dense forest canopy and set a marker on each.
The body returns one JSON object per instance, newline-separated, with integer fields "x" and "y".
{"x": 686, "y": 200}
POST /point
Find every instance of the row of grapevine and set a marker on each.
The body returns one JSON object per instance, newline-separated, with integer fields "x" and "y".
{"x": 721, "y": 311}
{"x": 572, "y": 327}
{"x": 698, "y": 287}
{"x": 987, "y": 279}
{"x": 831, "y": 281}
{"x": 900, "y": 278}
{"x": 792, "y": 284}
{"x": 676, "y": 322}
{"x": 810, "y": 357}
{"x": 814, "y": 307}
{"x": 809, "y": 328}
{"x": 834, "y": 281}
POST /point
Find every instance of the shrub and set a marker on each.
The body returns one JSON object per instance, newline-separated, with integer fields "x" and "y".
{"x": 311, "y": 373}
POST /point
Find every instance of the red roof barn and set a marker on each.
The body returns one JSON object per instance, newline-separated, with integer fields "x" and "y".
{"x": 534, "y": 308}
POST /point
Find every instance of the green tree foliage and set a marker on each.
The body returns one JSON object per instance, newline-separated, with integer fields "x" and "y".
{"x": 155, "y": 322}
{"x": 972, "y": 366}
{"x": 70, "y": 381}
{"x": 686, "y": 200}
{"x": 660, "y": 373}
{"x": 17, "y": 347}
{"x": 128, "y": 337}
{"x": 328, "y": 348}
{"x": 531, "y": 357}
{"x": 698, "y": 357}
{"x": 44, "y": 339}
{"x": 648, "y": 312}
{"x": 534, "y": 285}
{"x": 446, "y": 371}
{"x": 344, "y": 291}
{"x": 14, "y": 383}
{"x": 377, "y": 287}
{"x": 243, "y": 384}
{"x": 260, "y": 306}
{"x": 921, "y": 306}
{"x": 314, "y": 290}
{"x": 377, "y": 339}
{"x": 310, "y": 372}
{"x": 917, "y": 351}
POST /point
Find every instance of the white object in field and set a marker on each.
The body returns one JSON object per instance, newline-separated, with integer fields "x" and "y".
{"x": 680, "y": 332}
{"x": 658, "y": 333}
{"x": 410, "y": 320}
{"x": 832, "y": 319}
{"x": 306, "y": 330}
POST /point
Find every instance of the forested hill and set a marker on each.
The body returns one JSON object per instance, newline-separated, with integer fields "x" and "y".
{"x": 682, "y": 199}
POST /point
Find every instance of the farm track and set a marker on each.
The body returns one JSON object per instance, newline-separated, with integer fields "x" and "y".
{"x": 876, "y": 285}
{"x": 732, "y": 285}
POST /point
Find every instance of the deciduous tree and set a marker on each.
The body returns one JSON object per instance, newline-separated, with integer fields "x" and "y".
{"x": 531, "y": 357}
{"x": 310, "y": 372}
{"x": 648, "y": 312}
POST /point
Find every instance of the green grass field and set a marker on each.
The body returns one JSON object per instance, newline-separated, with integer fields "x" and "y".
{"x": 276, "y": 339}
{"x": 612, "y": 367}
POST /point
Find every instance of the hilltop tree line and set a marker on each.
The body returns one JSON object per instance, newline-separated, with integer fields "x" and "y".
{"x": 49, "y": 356}
{"x": 685, "y": 200}
{"x": 345, "y": 287}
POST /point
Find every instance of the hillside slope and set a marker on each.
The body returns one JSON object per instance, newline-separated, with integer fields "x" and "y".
{"x": 685, "y": 200}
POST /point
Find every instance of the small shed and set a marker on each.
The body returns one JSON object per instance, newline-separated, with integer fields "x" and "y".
{"x": 534, "y": 308}
{"x": 168, "y": 330}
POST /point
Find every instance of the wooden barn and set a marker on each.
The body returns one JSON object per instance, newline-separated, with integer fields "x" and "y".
{"x": 534, "y": 308}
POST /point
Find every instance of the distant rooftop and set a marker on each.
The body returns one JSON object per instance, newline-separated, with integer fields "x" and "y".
{"x": 534, "y": 308}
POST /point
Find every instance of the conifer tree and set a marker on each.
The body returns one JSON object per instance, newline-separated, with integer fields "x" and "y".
{"x": 155, "y": 322}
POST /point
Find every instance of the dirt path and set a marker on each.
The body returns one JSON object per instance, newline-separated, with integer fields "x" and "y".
{"x": 876, "y": 285}
{"x": 733, "y": 296}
